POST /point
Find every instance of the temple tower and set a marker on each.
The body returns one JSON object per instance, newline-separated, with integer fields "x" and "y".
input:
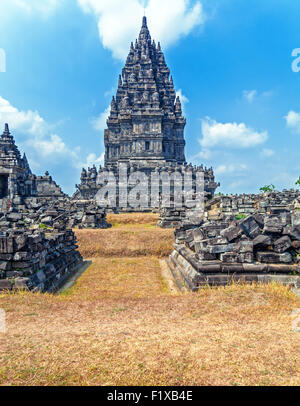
{"x": 145, "y": 126}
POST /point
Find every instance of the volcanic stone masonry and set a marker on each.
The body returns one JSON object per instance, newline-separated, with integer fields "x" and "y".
{"x": 245, "y": 204}
{"x": 257, "y": 248}
{"x": 145, "y": 128}
{"x": 35, "y": 258}
{"x": 34, "y": 196}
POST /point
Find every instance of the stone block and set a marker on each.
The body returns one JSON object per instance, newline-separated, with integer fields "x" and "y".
{"x": 273, "y": 225}
{"x": 250, "y": 227}
{"x": 218, "y": 249}
{"x": 270, "y": 257}
{"x": 5, "y": 265}
{"x": 231, "y": 232}
{"x": 244, "y": 247}
{"x": 282, "y": 244}
{"x": 262, "y": 240}
{"x": 246, "y": 257}
{"x": 296, "y": 218}
{"x": 229, "y": 257}
{"x": 5, "y": 284}
{"x": 21, "y": 283}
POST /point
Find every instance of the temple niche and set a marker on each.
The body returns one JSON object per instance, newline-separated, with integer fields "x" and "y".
{"x": 145, "y": 127}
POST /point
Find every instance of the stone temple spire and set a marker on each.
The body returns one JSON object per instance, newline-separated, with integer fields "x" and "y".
{"x": 6, "y": 133}
{"x": 145, "y": 122}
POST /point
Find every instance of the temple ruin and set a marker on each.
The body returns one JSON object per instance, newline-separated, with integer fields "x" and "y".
{"x": 145, "y": 127}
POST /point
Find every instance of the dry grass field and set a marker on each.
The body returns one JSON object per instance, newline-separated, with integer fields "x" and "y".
{"x": 132, "y": 235}
{"x": 120, "y": 325}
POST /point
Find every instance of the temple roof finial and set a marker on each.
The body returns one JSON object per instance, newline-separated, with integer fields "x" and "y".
{"x": 6, "y": 132}
{"x": 144, "y": 21}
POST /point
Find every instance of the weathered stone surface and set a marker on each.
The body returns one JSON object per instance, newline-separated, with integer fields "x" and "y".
{"x": 250, "y": 227}
{"x": 262, "y": 240}
{"x": 282, "y": 244}
{"x": 274, "y": 257}
{"x": 272, "y": 253}
{"x": 244, "y": 247}
{"x": 246, "y": 257}
{"x": 231, "y": 232}
{"x": 272, "y": 225}
{"x": 145, "y": 131}
{"x": 296, "y": 244}
{"x": 217, "y": 249}
{"x": 229, "y": 257}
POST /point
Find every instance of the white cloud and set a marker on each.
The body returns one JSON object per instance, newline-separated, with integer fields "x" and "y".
{"x": 231, "y": 135}
{"x": 249, "y": 95}
{"x": 119, "y": 21}
{"x": 184, "y": 100}
{"x": 293, "y": 121}
{"x": 99, "y": 123}
{"x": 266, "y": 152}
{"x": 252, "y": 95}
{"x": 226, "y": 169}
{"x": 91, "y": 160}
{"x": 205, "y": 154}
{"x": 26, "y": 121}
{"x": 34, "y": 136}
{"x": 43, "y": 7}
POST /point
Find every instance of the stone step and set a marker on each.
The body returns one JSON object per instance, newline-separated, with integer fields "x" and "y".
{"x": 177, "y": 276}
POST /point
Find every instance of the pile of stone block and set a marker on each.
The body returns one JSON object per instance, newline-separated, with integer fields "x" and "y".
{"x": 86, "y": 214}
{"x": 251, "y": 203}
{"x": 177, "y": 217}
{"x": 259, "y": 247}
{"x": 78, "y": 213}
{"x": 34, "y": 258}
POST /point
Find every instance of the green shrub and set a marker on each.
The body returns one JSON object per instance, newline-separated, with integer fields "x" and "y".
{"x": 269, "y": 188}
{"x": 240, "y": 216}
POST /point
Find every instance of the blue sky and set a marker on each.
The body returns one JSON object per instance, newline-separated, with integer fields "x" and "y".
{"x": 230, "y": 59}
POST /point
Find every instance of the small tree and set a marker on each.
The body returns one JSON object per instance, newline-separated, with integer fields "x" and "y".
{"x": 298, "y": 182}
{"x": 269, "y": 188}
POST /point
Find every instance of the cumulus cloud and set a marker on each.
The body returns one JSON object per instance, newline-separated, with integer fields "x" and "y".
{"x": 27, "y": 121}
{"x": 43, "y": 7}
{"x": 226, "y": 169}
{"x": 293, "y": 121}
{"x": 118, "y": 21}
{"x": 91, "y": 160}
{"x": 231, "y": 135}
{"x": 37, "y": 140}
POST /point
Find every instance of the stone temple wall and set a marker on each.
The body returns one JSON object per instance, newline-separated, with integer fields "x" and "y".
{"x": 258, "y": 248}
{"x": 240, "y": 205}
{"x": 34, "y": 258}
{"x": 253, "y": 203}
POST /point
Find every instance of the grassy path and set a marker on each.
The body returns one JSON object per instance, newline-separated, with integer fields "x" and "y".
{"x": 119, "y": 324}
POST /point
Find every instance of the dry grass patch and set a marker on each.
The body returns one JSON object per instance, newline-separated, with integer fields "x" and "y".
{"x": 238, "y": 335}
{"x": 118, "y": 278}
{"x": 132, "y": 218}
{"x": 126, "y": 240}
{"x": 119, "y": 325}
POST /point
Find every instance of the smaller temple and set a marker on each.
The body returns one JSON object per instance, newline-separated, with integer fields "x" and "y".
{"x": 17, "y": 182}
{"x": 16, "y": 179}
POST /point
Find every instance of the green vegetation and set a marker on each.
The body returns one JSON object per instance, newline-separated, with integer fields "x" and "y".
{"x": 240, "y": 216}
{"x": 298, "y": 182}
{"x": 269, "y": 188}
{"x": 43, "y": 226}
